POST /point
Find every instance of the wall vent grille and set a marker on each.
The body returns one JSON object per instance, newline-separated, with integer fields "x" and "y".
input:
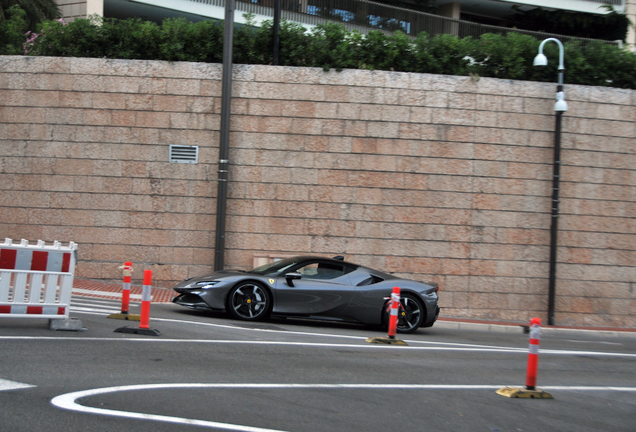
{"x": 184, "y": 154}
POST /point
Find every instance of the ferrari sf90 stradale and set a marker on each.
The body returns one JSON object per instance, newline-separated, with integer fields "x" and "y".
{"x": 312, "y": 287}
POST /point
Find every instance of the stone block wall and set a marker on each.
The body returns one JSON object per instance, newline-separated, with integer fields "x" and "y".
{"x": 430, "y": 177}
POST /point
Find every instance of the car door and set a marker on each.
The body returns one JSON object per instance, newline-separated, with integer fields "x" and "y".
{"x": 322, "y": 289}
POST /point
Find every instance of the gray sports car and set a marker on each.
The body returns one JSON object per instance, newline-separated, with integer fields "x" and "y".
{"x": 312, "y": 287}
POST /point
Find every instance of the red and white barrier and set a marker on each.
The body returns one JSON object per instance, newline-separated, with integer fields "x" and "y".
{"x": 144, "y": 322}
{"x": 125, "y": 296}
{"x": 533, "y": 353}
{"x": 36, "y": 280}
{"x": 144, "y": 318}
{"x": 395, "y": 306}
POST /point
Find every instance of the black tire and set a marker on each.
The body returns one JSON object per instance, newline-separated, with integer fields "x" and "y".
{"x": 410, "y": 314}
{"x": 249, "y": 301}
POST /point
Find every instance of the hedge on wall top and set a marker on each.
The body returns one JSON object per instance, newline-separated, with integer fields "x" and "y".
{"x": 327, "y": 46}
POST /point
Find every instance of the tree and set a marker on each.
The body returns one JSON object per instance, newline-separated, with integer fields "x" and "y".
{"x": 12, "y": 32}
{"x": 36, "y": 11}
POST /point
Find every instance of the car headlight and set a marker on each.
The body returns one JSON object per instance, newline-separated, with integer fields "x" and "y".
{"x": 203, "y": 284}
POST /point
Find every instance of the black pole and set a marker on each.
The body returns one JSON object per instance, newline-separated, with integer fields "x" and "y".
{"x": 554, "y": 226}
{"x": 276, "y": 32}
{"x": 224, "y": 143}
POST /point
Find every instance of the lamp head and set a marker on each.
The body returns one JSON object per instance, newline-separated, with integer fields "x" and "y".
{"x": 561, "y": 104}
{"x": 540, "y": 60}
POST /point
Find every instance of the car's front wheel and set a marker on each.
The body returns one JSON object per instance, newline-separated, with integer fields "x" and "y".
{"x": 410, "y": 314}
{"x": 249, "y": 301}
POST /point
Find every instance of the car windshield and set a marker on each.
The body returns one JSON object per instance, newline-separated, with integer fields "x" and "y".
{"x": 275, "y": 267}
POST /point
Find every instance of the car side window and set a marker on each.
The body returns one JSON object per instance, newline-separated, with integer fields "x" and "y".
{"x": 321, "y": 271}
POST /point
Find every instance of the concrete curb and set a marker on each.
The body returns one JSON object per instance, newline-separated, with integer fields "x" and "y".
{"x": 502, "y": 328}
{"x": 70, "y": 324}
{"x": 579, "y": 332}
{"x": 458, "y": 325}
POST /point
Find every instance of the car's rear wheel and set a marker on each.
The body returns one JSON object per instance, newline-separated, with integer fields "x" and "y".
{"x": 249, "y": 301}
{"x": 410, "y": 314}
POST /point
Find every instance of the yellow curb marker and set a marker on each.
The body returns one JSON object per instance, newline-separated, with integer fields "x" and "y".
{"x": 386, "y": 341}
{"x": 518, "y": 392}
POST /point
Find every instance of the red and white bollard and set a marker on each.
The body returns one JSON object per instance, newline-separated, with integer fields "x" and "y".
{"x": 395, "y": 306}
{"x": 531, "y": 375}
{"x": 533, "y": 353}
{"x": 125, "y": 295}
{"x": 144, "y": 318}
{"x": 144, "y": 322}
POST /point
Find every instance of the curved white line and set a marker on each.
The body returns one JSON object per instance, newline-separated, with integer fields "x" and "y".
{"x": 68, "y": 401}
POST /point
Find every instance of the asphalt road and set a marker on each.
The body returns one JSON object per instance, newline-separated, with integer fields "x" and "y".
{"x": 208, "y": 371}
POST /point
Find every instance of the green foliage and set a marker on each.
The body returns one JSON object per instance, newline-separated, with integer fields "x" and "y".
{"x": 36, "y": 11}
{"x": 79, "y": 39}
{"x": 387, "y": 53}
{"x": 181, "y": 40}
{"x": 599, "y": 64}
{"x": 130, "y": 39}
{"x": 443, "y": 54}
{"x": 12, "y": 31}
{"x": 328, "y": 46}
{"x": 294, "y": 48}
{"x": 173, "y": 40}
{"x": 253, "y": 45}
{"x": 507, "y": 56}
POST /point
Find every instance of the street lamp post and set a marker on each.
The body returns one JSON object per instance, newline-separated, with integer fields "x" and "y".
{"x": 224, "y": 136}
{"x": 559, "y": 107}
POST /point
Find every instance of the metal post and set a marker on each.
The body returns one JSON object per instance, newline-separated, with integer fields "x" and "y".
{"x": 560, "y": 107}
{"x": 276, "y": 32}
{"x": 224, "y": 144}
{"x": 554, "y": 226}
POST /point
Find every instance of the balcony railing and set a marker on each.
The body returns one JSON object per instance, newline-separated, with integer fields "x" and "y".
{"x": 364, "y": 16}
{"x": 620, "y": 3}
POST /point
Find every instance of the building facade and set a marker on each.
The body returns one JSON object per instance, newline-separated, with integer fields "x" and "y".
{"x": 456, "y": 9}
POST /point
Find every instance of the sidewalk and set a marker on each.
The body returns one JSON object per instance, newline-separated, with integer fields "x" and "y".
{"x": 110, "y": 290}
{"x": 509, "y": 327}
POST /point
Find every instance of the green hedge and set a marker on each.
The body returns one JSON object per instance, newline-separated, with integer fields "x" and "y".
{"x": 327, "y": 46}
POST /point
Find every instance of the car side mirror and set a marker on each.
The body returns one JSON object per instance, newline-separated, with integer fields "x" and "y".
{"x": 291, "y": 277}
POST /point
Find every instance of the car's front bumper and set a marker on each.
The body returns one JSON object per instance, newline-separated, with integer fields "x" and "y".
{"x": 191, "y": 301}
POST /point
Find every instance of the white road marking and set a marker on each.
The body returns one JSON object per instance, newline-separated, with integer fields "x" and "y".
{"x": 595, "y": 342}
{"x": 438, "y": 346}
{"x": 12, "y": 385}
{"x": 68, "y": 401}
{"x": 103, "y": 293}
{"x": 99, "y": 309}
{"x": 319, "y": 344}
{"x": 80, "y": 301}
{"x": 298, "y": 333}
